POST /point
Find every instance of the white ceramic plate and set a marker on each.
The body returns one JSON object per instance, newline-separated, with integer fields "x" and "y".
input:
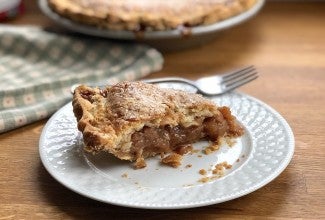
{"x": 263, "y": 152}
{"x": 195, "y": 31}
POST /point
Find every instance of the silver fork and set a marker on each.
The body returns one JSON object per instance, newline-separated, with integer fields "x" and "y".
{"x": 211, "y": 85}
{"x": 217, "y": 84}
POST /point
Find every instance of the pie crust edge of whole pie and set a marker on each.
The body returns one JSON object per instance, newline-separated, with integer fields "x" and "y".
{"x": 133, "y": 16}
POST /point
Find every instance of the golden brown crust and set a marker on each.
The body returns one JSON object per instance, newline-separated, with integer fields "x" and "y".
{"x": 108, "y": 118}
{"x": 149, "y": 14}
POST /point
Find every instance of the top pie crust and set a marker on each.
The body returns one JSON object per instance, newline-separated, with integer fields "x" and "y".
{"x": 108, "y": 118}
{"x": 137, "y": 15}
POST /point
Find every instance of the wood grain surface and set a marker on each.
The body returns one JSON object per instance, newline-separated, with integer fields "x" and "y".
{"x": 286, "y": 42}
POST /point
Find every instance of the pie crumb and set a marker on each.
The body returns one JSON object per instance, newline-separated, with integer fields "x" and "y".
{"x": 217, "y": 172}
{"x": 211, "y": 148}
{"x": 207, "y": 151}
{"x": 220, "y": 167}
{"x": 194, "y": 151}
{"x": 204, "y": 179}
{"x": 226, "y": 165}
{"x": 230, "y": 141}
{"x": 124, "y": 175}
{"x": 140, "y": 163}
{"x": 188, "y": 166}
{"x": 173, "y": 160}
{"x": 203, "y": 172}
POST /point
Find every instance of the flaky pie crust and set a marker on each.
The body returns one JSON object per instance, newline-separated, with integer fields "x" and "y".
{"x": 108, "y": 117}
{"x": 149, "y": 14}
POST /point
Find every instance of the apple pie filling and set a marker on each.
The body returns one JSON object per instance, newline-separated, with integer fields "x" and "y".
{"x": 166, "y": 139}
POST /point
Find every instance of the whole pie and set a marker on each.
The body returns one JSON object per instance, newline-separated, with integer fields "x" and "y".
{"x": 138, "y": 15}
{"x": 135, "y": 120}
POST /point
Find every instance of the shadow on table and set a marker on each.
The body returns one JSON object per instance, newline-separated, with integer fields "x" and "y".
{"x": 262, "y": 202}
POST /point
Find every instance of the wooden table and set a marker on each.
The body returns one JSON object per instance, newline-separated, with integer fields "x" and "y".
{"x": 286, "y": 42}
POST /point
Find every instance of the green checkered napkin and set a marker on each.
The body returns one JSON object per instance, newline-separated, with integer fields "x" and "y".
{"x": 37, "y": 69}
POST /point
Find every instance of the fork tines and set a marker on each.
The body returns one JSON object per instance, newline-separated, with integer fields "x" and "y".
{"x": 240, "y": 77}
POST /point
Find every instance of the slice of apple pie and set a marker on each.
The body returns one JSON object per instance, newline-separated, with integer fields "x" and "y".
{"x": 135, "y": 120}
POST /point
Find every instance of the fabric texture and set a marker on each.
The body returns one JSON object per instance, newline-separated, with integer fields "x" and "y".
{"x": 38, "y": 68}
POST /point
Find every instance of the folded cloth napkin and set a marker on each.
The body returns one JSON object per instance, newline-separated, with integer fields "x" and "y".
{"x": 37, "y": 69}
